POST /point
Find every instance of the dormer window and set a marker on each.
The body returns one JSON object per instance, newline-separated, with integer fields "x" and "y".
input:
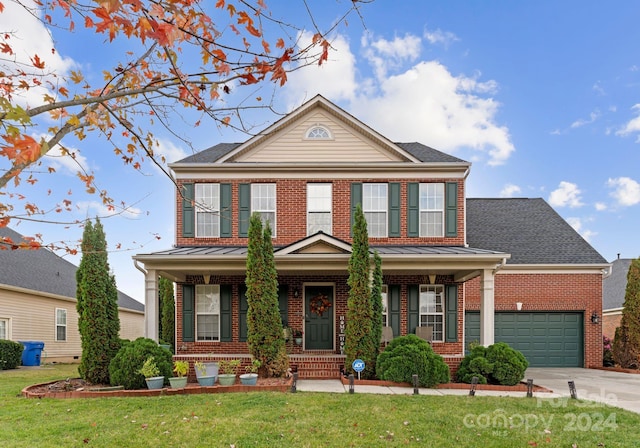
{"x": 318, "y": 132}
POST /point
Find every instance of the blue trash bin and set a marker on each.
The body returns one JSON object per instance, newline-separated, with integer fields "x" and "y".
{"x": 32, "y": 352}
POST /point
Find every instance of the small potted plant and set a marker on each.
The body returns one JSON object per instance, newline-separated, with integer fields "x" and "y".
{"x": 297, "y": 336}
{"x": 181, "y": 368}
{"x": 250, "y": 378}
{"x": 206, "y": 372}
{"x": 151, "y": 373}
{"x": 228, "y": 371}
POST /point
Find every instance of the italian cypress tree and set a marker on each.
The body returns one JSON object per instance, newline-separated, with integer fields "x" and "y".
{"x": 358, "y": 332}
{"x": 264, "y": 326}
{"x": 626, "y": 345}
{"x": 376, "y": 303}
{"x": 97, "y": 306}
{"x": 167, "y": 312}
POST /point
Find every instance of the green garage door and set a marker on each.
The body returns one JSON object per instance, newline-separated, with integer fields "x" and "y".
{"x": 545, "y": 339}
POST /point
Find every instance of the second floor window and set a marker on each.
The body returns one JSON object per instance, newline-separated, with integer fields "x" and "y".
{"x": 318, "y": 208}
{"x": 207, "y": 210}
{"x": 375, "y": 206}
{"x": 432, "y": 209}
{"x": 263, "y": 201}
{"x": 61, "y": 324}
{"x": 207, "y": 312}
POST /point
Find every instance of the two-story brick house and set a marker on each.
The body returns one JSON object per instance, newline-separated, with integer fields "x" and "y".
{"x": 306, "y": 174}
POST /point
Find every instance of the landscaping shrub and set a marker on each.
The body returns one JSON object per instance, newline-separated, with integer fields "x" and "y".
{"x": 409, "y": 355}
{"x": 607, "y": 352}
{"x": 123, "y": 369}
{"x": 10, "y": 354}
{"x": 496, "y": 364}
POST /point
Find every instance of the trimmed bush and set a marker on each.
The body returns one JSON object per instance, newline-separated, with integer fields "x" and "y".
{"x": 10, "y": 354}
{"x": 496, "y": 364}
{"x": 124, "y": 367}
{"x": 409, "y": 355}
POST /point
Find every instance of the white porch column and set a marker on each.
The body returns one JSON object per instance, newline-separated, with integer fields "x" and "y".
{"x": 487, "y": 308}
{"x": 151, "y": 305}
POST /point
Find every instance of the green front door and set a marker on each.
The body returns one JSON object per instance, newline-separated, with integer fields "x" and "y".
{"x": 318, "y": 311}
{"x": 545, "y": 339}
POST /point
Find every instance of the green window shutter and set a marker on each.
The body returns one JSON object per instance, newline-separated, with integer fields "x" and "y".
{"x": 225, "y": 210}
{"x": 242, "y": 315}
{"x": 451, "y": 209}
{"x": 188, "y": 313}
{"x": 225, "y": 313}
{"x": 394, "y": 209}
{"x": 413, "y": 308}
{"x": 283, "y": 304}
{"x": 393, "y": 310}
{"x": 356, "y": 198}
{"x": 244, "y": 209}
{"x": 451, "y": 317}
{"x": 188, "y": 211}
{"x": 413, "y": 209}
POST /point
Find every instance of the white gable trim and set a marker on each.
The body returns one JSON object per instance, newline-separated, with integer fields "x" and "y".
{"x": 312, "y": 241}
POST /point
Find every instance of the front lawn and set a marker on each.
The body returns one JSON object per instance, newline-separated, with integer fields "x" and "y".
{"x": 264, "y": 419}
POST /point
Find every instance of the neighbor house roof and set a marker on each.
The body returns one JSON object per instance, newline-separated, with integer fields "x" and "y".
{"x": 614, "y": 286}
{"x": 43, "y": 271}
{"x": 528, "y": 229}
{"x": 418, "y": 150}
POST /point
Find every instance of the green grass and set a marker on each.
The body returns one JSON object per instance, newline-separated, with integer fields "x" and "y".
{"x": 302, "y": 420}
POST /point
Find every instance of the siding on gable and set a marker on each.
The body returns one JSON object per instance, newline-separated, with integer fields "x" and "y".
{"x": 290, "y": 145}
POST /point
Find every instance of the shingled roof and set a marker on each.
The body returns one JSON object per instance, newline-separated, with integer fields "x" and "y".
{"x": 614, "y": 287}
{"x": 43, "y": 271}
{"x": 529, "y": 229}
{"x": 418, "y": 150}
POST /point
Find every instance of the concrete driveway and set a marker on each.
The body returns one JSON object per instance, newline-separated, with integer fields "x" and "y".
{"x": 602, "y": 386}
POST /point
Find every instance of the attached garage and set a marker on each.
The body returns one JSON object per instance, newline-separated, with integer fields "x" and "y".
{"x": 546, "y": 339}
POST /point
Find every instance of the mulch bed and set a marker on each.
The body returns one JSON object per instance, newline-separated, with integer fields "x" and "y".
{"x": 78, "y": 388}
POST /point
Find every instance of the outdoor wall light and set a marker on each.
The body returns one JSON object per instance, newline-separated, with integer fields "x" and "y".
{"x": 296, "y": 293}
{"x": 594, "y": 318}
{"x": 519, "y": 306}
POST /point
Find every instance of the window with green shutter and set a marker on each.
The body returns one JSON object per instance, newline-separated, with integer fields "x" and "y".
{"x": 242, "y": 313}
{"x": 283, "y": 304}
{"x": 225, "y": 211}
{"x": 393, "y": 310}
{"x": 413, "y": 308}
{"x": 451, "y": 318}
{"x": 244, "y": 209}
{"x": 188, "y": 211}
{"x": 226, "y": 299}
{"x": 188, "y": 313}
{"x": 413, "y": 209}
{"x": 356, "y": 198}
{"x": 451, "y": 211}
{"x": 394, "y": 210}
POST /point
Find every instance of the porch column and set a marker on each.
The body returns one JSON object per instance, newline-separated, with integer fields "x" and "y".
{"x": 487, "y": 308}
{"x": 151, "y": 305}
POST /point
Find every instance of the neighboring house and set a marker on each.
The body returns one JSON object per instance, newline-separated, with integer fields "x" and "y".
{"x": 614, "y": 288}
{"x": 38, "y": 302}
{"x": 458, "y": 266}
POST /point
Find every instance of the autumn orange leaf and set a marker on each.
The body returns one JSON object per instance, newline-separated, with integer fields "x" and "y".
{"x": 220, "y": 4}
{"x": 280, "y": 43}
{"x": 37, "y": 62}
{"x": 5, "y": 48}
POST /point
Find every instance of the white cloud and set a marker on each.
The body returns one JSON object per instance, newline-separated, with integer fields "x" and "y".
{"x": 510, "y": 190}
{"x": 385, "y": 55}
{"x": 66, "y": 163}
{"x": 170, "y": 152}
{"x": 566, "y": 195}
{"x": 600, "y": 206}
{"x": 30, "y": 39}
{"x": 593, "y": 116}
{"x": 597, "y": 87}
{"x": 90, "y": 209}
{"x": 626, "y": 191}
{"x": 439, "y": 36}
{"x": 423, "y": 102}
{"x": 632, "y": 125}
{"x": 577, "y": 225}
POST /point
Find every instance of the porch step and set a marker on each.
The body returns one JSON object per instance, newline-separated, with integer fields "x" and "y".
{"x": 320, "y": 365}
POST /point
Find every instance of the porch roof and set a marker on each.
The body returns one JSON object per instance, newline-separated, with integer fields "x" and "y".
{"x": 462, "y": 262}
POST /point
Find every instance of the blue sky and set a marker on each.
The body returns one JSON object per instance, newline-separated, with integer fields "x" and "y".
{"x": 542, "y": 97}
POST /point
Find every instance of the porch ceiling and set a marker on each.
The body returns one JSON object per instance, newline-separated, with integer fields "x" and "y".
{"x": 463, "y": 263}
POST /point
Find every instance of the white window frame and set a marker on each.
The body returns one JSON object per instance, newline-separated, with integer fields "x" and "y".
{"x": 207, "y": 198}
{"x": 431, "y": 310}
{"x": 6, "y": 325}
{"x": 318, "y": 132}
{"x": 262, "y": 203}
{"x": 431, "y": 205}
{"x": 318, "y": 202}
{"x": 376, "y": 205}
{"x": 59, "y": 324}
{"x": 385, "y": 306}
{"x": 204, "y": 310}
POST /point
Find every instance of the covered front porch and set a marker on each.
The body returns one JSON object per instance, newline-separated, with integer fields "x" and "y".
{"x": 312, "y": 275}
